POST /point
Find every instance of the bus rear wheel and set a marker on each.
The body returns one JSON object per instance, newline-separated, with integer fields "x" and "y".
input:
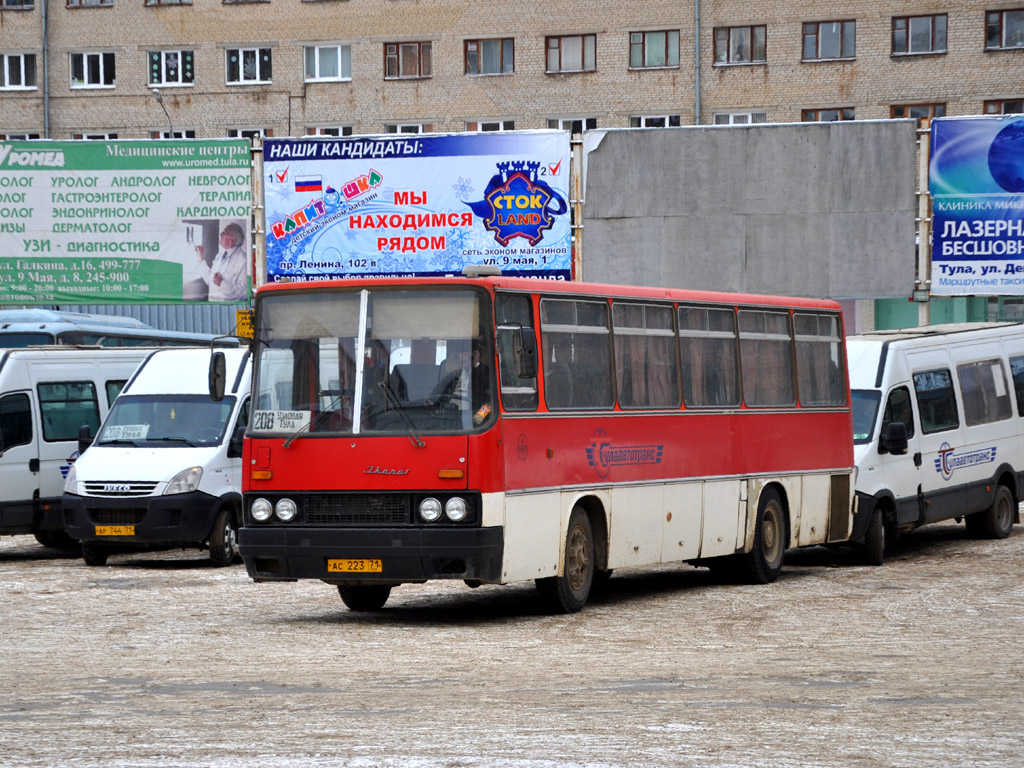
{"x": 364, "y": 597}
{"x": 996, "y": 522}
{"x": 762, "y": 564}
{"x": 568, "y": 593}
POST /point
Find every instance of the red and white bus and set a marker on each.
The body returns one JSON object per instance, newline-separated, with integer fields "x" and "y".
{"x": 501, "y": 429}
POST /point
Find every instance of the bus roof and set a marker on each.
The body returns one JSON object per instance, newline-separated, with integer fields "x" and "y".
{"x": 39, "y": 317}
{"x": 536, "y": 285}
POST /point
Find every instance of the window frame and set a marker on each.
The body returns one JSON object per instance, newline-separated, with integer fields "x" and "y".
{"x": 23, "y": 398}
{"x": 623, "y": 350}
{"x": 549, "y": 329}
{"x": 340, "y": 61}
{"x": 89, "y": 3}
{"x": 1000, "y": 106}
{"x": 105, "y": 59}
{"x": 558, "y": 50}
{"x": 400, "y": 128}
{"x": 478, "y": 42}
{"x": 183, "y": 68}
{"x": 250, "y": 133}
{"x": 52, "y": 399}
{"x": 805, "y": 114}
{"x": 946, "y": 427}
{"x": 983, "y": 403}
{"x": 818, "y": 39}
{"x": 1000, "y": 29}
{"x": 424, "y": 55}
{"x": 559, "y": 124}
{"x": 258, "y": 52}
{"x": 908, "y": 37}
{"x": 728, "y": 60}
{"x": 17, "y": 5}
{"x": 712, "y": 341}
{"x": 5, "y": 59}
{"x": 643, "y": 48}
{"x": 733, "y": 115}
{"x": 671, "y": 121}
{"x": 933, "y": 109}
{"x": 483, "y": 126}
{"x": 755, "y": 343}
{"x": 329, "y": 130}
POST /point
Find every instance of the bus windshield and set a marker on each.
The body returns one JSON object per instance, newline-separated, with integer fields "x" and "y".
{"x": 166, "y": 421}
{"x": 865, "y": 408}
{"x": 395, "y": 361}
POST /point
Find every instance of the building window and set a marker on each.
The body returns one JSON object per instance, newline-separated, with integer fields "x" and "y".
{"x": 491, "y": 125}
{"x": 918, "y": 34}
{"x": 93, "y": 136}
{"x": 408, "y": 128}
{"x": 328, "y": 62}
{"x": 740, "y": 118}
{"x": 329, "y": 130}
{"x": 827, "y": 115}
{"x": 248, "y": 65}
{"x": 171, "y": 68}
{"x": 250, "y": 133}
{"x": 740, "y": 45}
{"x": 1004, "y": 29}
{"x": 654, "y": 121}
{"x": 19, "y": 136}
{"x": 825, "y": 40}
{"x": 89, "y": 3}
{"x": 190, "y": 134}
{"x": 572, "y": 53}
{"x": 649, "y": 50}
{"x": 17, "y": 5}
{"x": 490, "y": 57}
{"x": 1004, "y": 107}
{"x": 19, "y": 71}
{"x": 406, "y": 60}
{"x": 92, "y": 70}
{"x": 918, "y": 111}
{"x": 573, "y": 125}
{"x": 168, "y": 2}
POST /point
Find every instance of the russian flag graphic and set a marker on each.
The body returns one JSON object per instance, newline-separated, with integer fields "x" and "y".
{"x": 308, "y": 184}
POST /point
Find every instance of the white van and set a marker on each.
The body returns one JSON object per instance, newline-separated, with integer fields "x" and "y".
{"x": 165, "y": 468}
{"x": 46, "y": 395}
{"x": 938, "y": 429}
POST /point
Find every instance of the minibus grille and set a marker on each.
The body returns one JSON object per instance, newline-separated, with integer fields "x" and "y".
{"x": 119, "y": 490}
{"x": 357, "y": 509}
{"x": 117, "y": 516}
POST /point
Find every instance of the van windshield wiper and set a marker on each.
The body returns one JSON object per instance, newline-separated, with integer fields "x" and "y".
{"x": 119, "y": 441}
{"x": 173, "y": 439}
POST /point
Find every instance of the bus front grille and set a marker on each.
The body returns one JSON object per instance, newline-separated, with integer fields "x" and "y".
{"x": 358, "y": 509}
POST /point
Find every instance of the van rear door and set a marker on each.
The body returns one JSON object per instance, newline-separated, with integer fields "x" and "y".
{"x": 19, "y": 460}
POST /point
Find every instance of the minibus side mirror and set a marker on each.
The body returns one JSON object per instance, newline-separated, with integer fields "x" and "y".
{"x": 235, "y": 443}
{"x": 84, "y": 438}
{"x": 893, "y": 439}
{"x": 217, "y": 376}
{"x": 526, "y": 353}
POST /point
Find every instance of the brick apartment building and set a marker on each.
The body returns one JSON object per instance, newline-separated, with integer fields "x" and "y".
{"x": 87, "y": 68}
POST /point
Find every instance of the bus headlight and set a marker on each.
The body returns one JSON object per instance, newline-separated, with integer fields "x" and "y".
{"x": 285, "y": 510}
{"x": 430, "y": 509}
{"x": 261, "y": 510}
{"x": 456, "y": 509}
{"x": 185, "y": 481}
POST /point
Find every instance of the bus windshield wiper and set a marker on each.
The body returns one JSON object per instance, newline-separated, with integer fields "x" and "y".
{"x": 313, "y": 422}
{"x": 393, "y": 399}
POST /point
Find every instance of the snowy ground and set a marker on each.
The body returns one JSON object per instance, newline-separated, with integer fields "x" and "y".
{"x": 162, "y": 660}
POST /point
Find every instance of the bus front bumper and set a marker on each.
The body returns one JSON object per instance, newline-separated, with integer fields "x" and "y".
{"x": 404, "y": 554}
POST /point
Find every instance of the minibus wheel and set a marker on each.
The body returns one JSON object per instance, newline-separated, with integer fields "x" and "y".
{"x": 874, "y": 539}
{"x": 762, "y": 564}
{"x": 568, "y": 593}
{"x": 94, "y": 554}
{"x": 996, "y": 522}
{"x": 364, "y": 597}
{"x": 223, "y": 539}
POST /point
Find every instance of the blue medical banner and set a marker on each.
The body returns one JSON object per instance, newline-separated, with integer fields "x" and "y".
{"x": 976, "y": 179}
{"x": 417, "y": 205}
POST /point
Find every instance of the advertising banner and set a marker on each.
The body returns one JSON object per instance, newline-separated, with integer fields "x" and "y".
{"x": 976, "y": 179}
{"x": 418, "y": 205}
{"x": 125, "y": 222}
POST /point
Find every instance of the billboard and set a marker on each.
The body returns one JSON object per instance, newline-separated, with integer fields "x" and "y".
{"x": 418, "y": 205}
{"x": 976, "y": 179}
{"x": 125, "y": 222}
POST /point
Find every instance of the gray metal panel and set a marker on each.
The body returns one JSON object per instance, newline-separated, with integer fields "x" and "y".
{"x": 802, "y": 209}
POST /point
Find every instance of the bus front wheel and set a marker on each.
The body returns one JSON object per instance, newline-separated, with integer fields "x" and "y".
{"x": 568, "y": 593}
{"x": 364, "y": 597}
{"x": 762, "y": 564}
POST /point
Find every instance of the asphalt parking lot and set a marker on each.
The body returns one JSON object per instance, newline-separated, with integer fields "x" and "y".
{"x": 162, "y": 660}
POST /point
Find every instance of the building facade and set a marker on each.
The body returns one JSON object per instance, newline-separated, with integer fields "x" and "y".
{"x": 87, "y": 68}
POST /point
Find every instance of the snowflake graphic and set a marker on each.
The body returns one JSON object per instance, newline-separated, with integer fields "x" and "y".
{"x": 463, "y": 188}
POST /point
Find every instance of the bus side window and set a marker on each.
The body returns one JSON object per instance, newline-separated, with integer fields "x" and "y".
{"x": 514, "y": 317}
{"x": 1017, "y": 372}
{"x": 936, "y": 400}
{"x": 66, "y": 406}
{"x": 898, "y": 409}
{"x": 15, "y": 421}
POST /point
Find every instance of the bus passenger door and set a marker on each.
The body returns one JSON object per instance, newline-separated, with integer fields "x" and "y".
{"x": 19, "y": 461}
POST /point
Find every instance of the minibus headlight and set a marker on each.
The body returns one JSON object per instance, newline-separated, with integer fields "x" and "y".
{"x": 261, "y": 510}
{"x": 71, "y": 481}
{"x": 285, "y": 510}
{"x": 456, "y": 509}
{"x": 430, "y": 509}
{"x": 185, "y": 481}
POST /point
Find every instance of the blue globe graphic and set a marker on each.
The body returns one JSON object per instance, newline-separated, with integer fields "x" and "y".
{"x": 1006, "y": 157}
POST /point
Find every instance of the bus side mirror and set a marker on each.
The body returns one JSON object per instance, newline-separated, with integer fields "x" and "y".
{"x": 893, "y": 439}
{"x": 526, "y": 353}
{"x": 235, "y": 444}
{"x": 84, "y": 438}
{"x": 218, "y": 375}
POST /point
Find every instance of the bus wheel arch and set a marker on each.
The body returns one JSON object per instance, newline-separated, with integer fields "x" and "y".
{"x": 568, "y": 591}
{"x": 763, "y": 562}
